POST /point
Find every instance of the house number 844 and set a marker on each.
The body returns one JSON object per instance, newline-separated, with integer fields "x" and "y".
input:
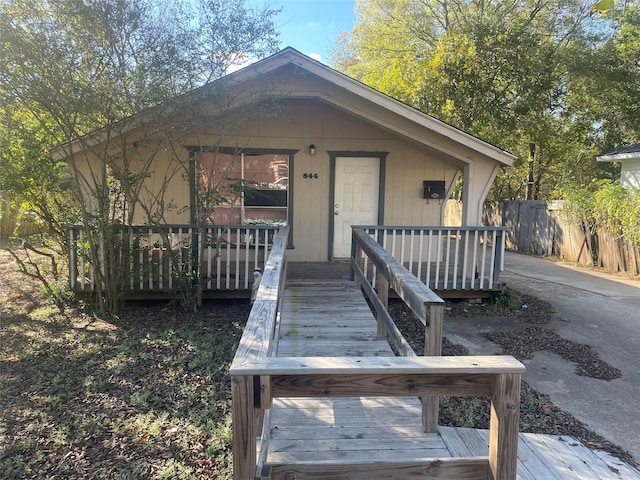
{"x": 309, "y": 175}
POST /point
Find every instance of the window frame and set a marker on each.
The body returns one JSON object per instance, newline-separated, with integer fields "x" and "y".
{"x": 193, "y": 174}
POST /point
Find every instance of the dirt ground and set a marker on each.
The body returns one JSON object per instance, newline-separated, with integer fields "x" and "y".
{"x": 145, "y": 395}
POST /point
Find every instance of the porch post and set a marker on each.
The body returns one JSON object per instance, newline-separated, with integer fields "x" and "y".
{"x": 244, "y": 423}
{"x": 478, "y": 178}
{"x": 192, "y": 187}
{"x": 469, "y": 208}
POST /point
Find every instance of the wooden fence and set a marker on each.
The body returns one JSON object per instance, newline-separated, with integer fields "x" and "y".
{"x": 10, "y": 225}
{"x": 541, "y": 228}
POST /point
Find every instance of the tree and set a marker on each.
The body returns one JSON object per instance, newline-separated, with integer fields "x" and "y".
{"x": 35, "y": 190}
{"x": 385, "y": 50}
{"x": 608, "y": 85}
{"x": 79, "y": 67}
{"x": 511, "y": 73}
{"x": 38, "y": 183}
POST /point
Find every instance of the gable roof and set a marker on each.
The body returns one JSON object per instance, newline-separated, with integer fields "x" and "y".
{"x": 630, "y": 152}
{"x": 292, "y": 56}
{"x": 390, "y": 114}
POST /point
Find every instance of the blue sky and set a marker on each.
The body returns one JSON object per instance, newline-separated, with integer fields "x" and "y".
{"x": 311, "y": 26}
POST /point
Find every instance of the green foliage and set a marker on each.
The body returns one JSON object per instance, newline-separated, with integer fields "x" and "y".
{"x": 379, "y": 51}
{"x": 73, "y": 67}
{"x": 603, "y": 6}
{"x": 36, "y": 185}
{"x": 177, "y": 470}
{"x": 507, "y": 299}
{"x": 512, "y": 73}
{"x": 606, "y": 205}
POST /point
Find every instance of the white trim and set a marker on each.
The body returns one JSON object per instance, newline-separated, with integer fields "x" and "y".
{"x": 619, "y": 157}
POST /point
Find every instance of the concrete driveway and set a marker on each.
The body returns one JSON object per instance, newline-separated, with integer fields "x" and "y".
{"x": 596, "y": 309}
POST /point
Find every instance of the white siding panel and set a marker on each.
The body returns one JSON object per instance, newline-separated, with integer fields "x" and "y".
{"x": 630, "y": 173}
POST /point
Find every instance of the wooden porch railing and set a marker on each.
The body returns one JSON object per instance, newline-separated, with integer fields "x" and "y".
{"x": 426, "y": 305}
{"x": 259, "y": 341}
{"x": 446, "y": 258}
{"x": 258, "y": 376}
{"x": 157, "y": 258}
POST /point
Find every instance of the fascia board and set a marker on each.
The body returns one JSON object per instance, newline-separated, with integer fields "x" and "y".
{"x": 619, "y": 157}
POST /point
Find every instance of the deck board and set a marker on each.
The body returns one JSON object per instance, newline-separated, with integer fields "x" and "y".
{"x": 329, "y": 317}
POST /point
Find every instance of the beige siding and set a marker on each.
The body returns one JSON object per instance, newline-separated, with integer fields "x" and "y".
{"x": 306, "y": 122}
{"x": 407, "y": 168}
{"x": 165, "y": 191}
{"x": 303, "y": 122}
{"x": 88, "y": 172}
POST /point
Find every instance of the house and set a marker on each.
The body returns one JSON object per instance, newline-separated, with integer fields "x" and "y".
{"x": 321, "y": 151}
{"x": 629, "y": 158}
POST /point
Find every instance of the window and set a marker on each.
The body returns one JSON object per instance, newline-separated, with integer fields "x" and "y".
{"x": 247, "y": 187}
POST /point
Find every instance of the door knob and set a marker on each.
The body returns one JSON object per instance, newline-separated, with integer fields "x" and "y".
{"x": 336, "y": 213}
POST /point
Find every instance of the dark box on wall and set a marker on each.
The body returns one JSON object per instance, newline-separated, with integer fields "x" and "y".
{"x": 433, "y": 189}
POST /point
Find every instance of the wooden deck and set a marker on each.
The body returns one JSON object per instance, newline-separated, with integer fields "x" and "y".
{"x": 328, "y": 317}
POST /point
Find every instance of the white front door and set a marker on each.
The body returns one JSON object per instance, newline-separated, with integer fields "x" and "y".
{"x": 355, "y": 199}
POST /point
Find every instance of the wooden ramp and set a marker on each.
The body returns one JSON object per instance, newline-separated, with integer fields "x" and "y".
{"x": 331, "y": 318}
